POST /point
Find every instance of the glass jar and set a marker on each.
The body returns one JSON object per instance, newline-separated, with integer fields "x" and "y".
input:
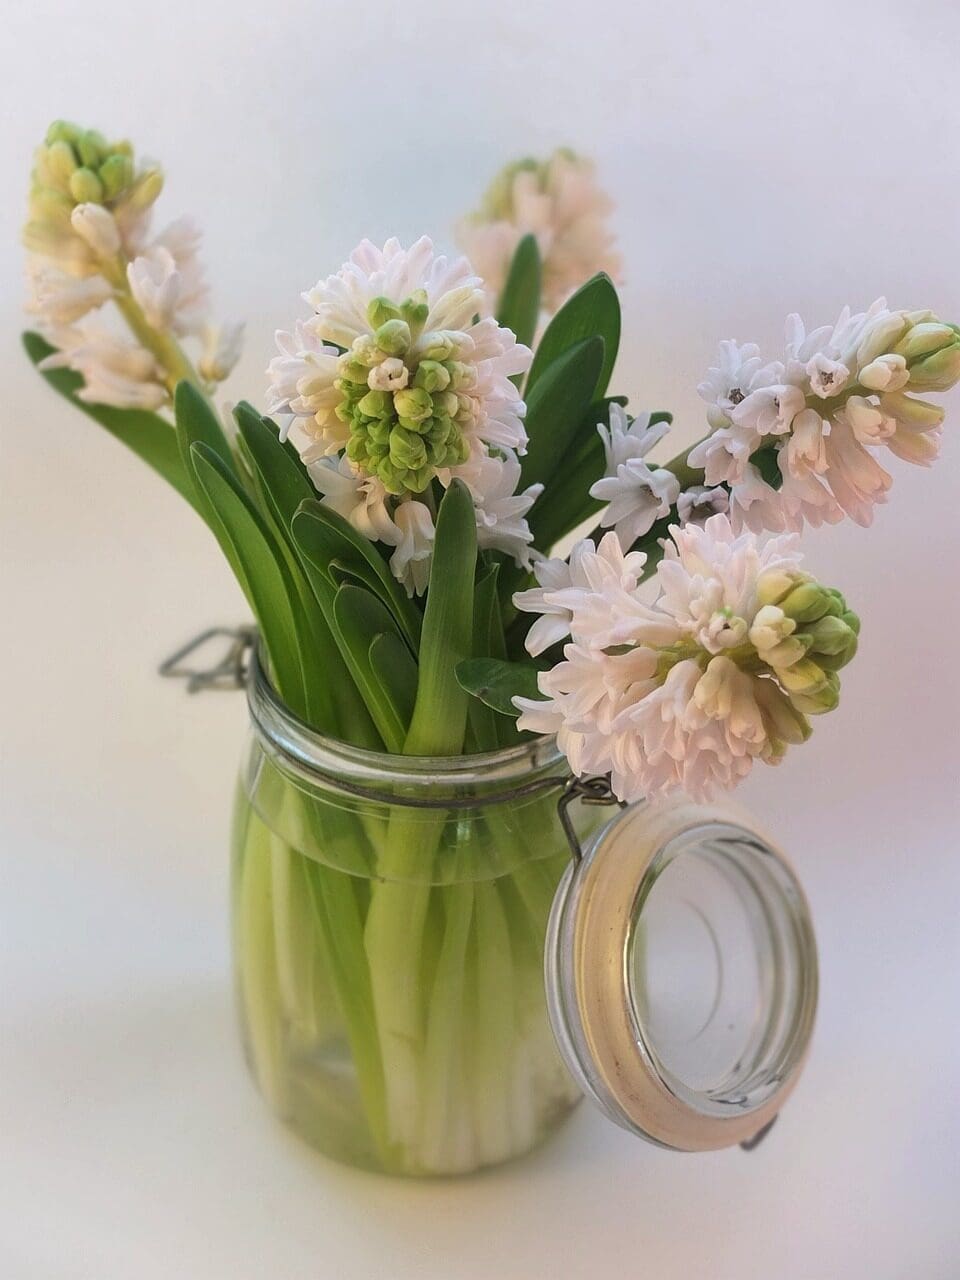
{"x": 389, "y": 919}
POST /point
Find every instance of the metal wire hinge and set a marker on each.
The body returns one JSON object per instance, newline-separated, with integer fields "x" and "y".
{"x": 231, "y": 670}
{"x": 592, "y": 790}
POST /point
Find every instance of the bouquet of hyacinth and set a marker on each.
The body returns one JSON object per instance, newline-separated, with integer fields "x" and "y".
{"x": 431, "y": 434}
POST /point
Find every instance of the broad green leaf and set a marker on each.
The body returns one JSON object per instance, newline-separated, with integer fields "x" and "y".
{"x": 150, "y": 437}
{"x": 555, "y": 410}
{"x": 284, "y": 483}
{"x": 324, "y": 536}
{"x": 594, "y": 310}
{"x": 496, "y": 683}
{"x": 440, "y": 713}
{"x": 248, "y": 544}
{"x": 393, "y": 665}
{"x": 487, "y": 642}
{"x": 359, "y": 617}
{"x": 198, "y": 423}
{"x": 519, "y": 307}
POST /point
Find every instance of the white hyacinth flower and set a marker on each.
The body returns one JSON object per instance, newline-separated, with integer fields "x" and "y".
{"x": 637, "y": 494}
{"x": 839, "y": 394}
{"x": 588, "y": 568}
{"x": 60, "y": 299}
{"x": 410, "y": 563}
{"x": 561, "y": 205}
{"x": 698, "y": 503}
{"x": 358, "y": 498}
{"x": 398, "y": 377}
{"x": 739, "y": 372}
{"x": 500, "y": 510}
{"x": 118, "y": 373}
{"x": 715, "y": 675}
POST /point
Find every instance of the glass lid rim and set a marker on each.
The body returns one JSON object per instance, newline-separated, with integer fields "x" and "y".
{"x": 619, "y": 1072}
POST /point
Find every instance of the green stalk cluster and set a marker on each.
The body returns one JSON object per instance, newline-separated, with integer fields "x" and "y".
{"x": 406, "y": 428}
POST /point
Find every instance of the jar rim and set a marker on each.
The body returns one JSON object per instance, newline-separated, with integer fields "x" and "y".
{"x": 326, "y": 759}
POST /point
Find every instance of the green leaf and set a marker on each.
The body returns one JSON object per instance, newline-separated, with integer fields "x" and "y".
{"x": 440, "y": 712}
{"x": 324, "y": 536}
{"x": 285, "y": 485}
{"x": 393, "y": 665}
{"x": 252, "y": 549}
{"x": 359, "y": 618}
{"x": 198, "y": 424}
{"x": 519, "y": 307}
{"x": 150, "y": 437}
{"x": 766, "y": 462}
{"x": 556, "y": 407}
{"x": 593, "y": 310}
{"x": 496, "y": 683}
{"x": 488, "y": 641}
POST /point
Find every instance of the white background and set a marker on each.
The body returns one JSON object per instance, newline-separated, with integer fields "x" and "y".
{"x": 765, "y": 157}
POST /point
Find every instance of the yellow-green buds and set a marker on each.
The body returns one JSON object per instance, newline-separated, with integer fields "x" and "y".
{"x": 79, "y": 167}
{"x": 400, "y": 398}
{"x": 804, "y": 639}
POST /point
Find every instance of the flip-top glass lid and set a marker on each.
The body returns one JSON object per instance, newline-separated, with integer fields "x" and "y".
{"x": 681, "y": 975}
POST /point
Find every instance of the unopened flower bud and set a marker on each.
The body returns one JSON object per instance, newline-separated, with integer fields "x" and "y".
{"x": 62, "y": 162}
{"x": 95, "y": 225}
{"x": 437, "y": 346}
{"x": 376, "y": 404}
{"x": 774, "y": 584}
{"x": 390, "y": 375}
{"x": 805, "y": 677}
{"x": 144, "y": 191}
{"x": 911, "y": 411}
{"x": 407, "y": 449}
{"x": 431, "y": 376}
{"x": 393, "y": 336}
{"x": 939, "y": 371}
{"x": 806, "y": 602}
{"x": 86, "y": 186}
{"x": 886, "y": 373}
{"x": 413, "y": 403}
{"x": 784, "y": 722}
{"x": 824, "y": 699}
{"x": 922, "y": 339}
{"x": 116, "y": 174}
{"x": 380, "y": 310}
{"x": 880, "y": 337}
{"x": 92, "y": 148}
{"x": 415, "y": 310}
{"x": 829, "y": 635}
{"x": 769, "y": 627}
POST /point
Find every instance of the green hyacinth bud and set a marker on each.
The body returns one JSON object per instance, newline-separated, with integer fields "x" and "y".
{"x": 116, "y": 174}
{"x": 437, "y": 346}
{"x": 417, "y": 480}
{"x": 939, "y": 371}
{"x": 391, "y": 476}
{"x": 415, "y": 310}
{"x": 393, "y": 336}
{"x": 86, "y": 187}
{"x": 805, "y": 677}
{"x": 922, "y": 339}
{"x": 380, "y": 310}
{"x": 775, "y": 584}
{"x": 808, "y": 602}
{"x": 431, "y": 376}
{"x": 413, "y": 403}
{"x": 407, "y": 449}
{"x": 832, "y": 641}
{"x": 824, "y": 699}
{"x": 376, "y": 404}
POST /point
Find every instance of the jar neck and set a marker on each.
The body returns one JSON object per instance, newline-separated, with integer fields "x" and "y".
{"x": 317, "y": 759}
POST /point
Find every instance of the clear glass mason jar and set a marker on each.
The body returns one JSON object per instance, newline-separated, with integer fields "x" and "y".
{"x": 389, "y": 917}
